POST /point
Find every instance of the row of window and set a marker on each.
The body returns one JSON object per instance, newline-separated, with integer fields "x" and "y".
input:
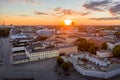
{"x": 44, "y": 56}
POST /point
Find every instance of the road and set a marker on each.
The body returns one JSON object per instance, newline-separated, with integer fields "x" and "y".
{"x": 5, "y": 50}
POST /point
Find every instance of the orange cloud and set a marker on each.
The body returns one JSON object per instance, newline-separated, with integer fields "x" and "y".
{"x": 40, "y": 13}
{"x": 60, "y": 11}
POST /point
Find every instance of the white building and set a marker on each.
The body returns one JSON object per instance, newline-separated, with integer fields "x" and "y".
{"x": 104, "y": 53}
{"x": 18, "y": 50}
{"x": 67, "y": 49}
{"x": 18, "y": 59}
{"x": 18, "y": 55}
{"x": 42, "y": 54}
{"x": 71, "y": 39}
{"x": 39, "y": 51}
{"x": 112, "y": 45}
{"x": 46, "y": 32}
{"x": 94, "y": 67}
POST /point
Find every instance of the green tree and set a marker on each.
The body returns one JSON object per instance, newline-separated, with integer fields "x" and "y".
{"x": 41, "y": 38}
{"x": 117, "y": 34}
{"x": 116, "y": 51}
{"x": 65, "y": 66}
{"x": 60, "y": 60}
{"x": 81, "y": 43}
{"x": 84, "y": 45}
{"x": 92, "y": 50}
{"x": 104, "y": 45}
{"x": 4, "y": 32}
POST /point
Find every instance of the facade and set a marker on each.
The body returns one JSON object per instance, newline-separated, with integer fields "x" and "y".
{"x": 97, "y": 73}
{"x": 18, "y": 49}
{"x": 45, "y": 32}
{"x": 68, "y": 49}
{"x": 104, "y": 53}
{"x": 71, "y": 40}
{"x": 19, "y": 55}
{"x": 41, "y": 54}
{"x": 40, "y": 51}
{"x": 18, "y": 59}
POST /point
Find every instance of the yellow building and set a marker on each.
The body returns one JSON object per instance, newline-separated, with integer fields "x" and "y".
{"x": 68, "y": 49}
{"x": 38, "y": 54}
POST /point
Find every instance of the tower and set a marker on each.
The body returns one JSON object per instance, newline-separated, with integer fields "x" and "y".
{"x": 3, "y": 23}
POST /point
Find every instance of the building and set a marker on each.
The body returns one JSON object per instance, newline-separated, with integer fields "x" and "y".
{"x": 45, "y": 32}
{"x": 20, "y": 40}
{"x": 20, "y": 59}
{"x": 67, "y": 49}
{"x": 71, "y": 39}
{"x": 41, "y": 50}
{"x": 19, "y": 55}
{"x": 104, "y": 53}
{"x": 90, "y": 65}
{"x": 111, "y": 45}
{"x": 18, "y": 50}
{"x": 37, "y": 53}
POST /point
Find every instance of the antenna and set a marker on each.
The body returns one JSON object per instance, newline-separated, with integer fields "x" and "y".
{"x": 3, "y": 23}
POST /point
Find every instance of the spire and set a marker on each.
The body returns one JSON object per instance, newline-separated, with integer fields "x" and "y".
{"x": 3, "y": 23}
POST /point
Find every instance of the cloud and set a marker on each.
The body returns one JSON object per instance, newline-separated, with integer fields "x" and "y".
{"x": 23, "y": 15}
{"x": 115, "y": 9}
{"x": 85, "y": 13}
{"x": 61, "y": 12}
{"x": 28, "y": 1}
{"x": 33, "y": 2}
{"x": 40, "y": 13}
{"x": 97, "y": 5}
{"x": 106, "y": 18}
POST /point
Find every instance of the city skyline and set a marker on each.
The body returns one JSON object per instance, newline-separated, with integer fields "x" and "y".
{"x": 54, "y": 12}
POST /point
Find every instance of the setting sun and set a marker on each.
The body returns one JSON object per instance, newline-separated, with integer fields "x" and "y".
{"x": 67, "y": 22}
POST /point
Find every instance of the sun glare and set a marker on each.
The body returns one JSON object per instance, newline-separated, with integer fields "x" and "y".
{"x": 67, "y": 22}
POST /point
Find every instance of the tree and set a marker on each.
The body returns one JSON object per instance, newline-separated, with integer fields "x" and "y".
{"x": 60, "y": 60}
{"x": 117, "y": 34}
{"x": 65, "y": 66}
{"x": 81, "y": 43}
{"x": 116, "y": 51}
{"x": 41, "y": 38}
{"x": 84, "y": 45}
{"x": 4, "y": 32}
{"x": 92, "y": 50}
{"x": 104, "y": 45}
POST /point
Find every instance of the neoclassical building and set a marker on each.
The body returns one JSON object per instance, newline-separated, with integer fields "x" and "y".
{"x": 38, "y": 52}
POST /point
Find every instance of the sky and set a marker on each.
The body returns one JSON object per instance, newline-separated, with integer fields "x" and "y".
{"x": 54, "y": 12}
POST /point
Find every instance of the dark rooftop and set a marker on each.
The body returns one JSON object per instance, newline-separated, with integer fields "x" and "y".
{"x": 20, "y": 57}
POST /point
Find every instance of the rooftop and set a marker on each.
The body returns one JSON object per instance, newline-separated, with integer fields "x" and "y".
{"x": 104, "y": 51}
{"x": 20, "y": 57}
{"x": 31, "y": 50}
{"x": 89, "y": 65}
{"x": 16, "y": 52}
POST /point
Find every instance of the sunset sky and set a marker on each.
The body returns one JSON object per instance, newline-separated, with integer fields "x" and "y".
{"x": 54, "y": 12}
